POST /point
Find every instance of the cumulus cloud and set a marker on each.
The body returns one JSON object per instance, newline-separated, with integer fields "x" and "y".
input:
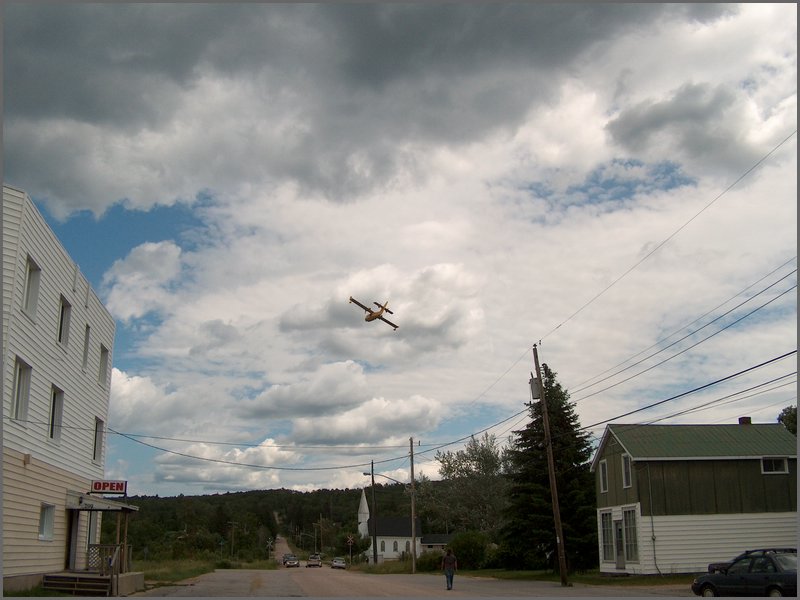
{"x": 139, "y": 283}
{"x": 501, "y": 174}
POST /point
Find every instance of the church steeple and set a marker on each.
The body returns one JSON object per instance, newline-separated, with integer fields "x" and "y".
{"x": 363, "y": 516}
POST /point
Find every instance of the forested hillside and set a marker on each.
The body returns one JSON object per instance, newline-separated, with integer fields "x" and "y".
{"x": 240, "y": 524}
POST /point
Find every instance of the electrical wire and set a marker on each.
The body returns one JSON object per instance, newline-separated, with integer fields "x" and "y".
{"x": 705, "y": 339}
{"x": 672, "y": 235}
{"x": 580, "y": 387}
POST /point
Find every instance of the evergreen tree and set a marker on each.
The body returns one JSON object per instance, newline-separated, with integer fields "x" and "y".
{"x": 529, "y": 539}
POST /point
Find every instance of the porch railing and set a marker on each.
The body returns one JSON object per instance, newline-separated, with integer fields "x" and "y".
{"x": 108, "y": 559}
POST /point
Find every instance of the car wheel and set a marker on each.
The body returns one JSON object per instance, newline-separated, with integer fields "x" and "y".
{"x": 774, "y": 593}
{"x": 708, "y": 591}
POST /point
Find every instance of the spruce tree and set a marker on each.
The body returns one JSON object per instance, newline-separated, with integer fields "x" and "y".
{"x": 529, "y": 538}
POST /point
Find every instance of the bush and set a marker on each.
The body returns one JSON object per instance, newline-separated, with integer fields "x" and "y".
{"x": 470, "y": 549}
{"x": 429, "y": 561}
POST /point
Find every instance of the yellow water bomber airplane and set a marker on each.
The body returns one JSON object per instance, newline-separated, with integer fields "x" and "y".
{"x": 376, "y": 314}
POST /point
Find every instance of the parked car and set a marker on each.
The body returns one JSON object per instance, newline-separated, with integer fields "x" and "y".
{"x": 767, "y": 572}
{"x": 714, "y": 567}
{"x": 338, "y": 563}
{"x": 291, "y": 561}
{"x": 314, "y": 560}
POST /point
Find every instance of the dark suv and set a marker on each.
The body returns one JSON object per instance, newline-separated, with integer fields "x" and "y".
{"x": 765, "y": 572}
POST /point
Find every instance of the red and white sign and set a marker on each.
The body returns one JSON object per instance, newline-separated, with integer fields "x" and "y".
{"x": 105, "y": 486}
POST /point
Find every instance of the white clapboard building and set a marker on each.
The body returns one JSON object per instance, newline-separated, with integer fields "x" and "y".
{"x": 58, "y": 340}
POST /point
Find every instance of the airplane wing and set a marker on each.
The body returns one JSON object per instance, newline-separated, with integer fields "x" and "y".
{"x": 354, "y": 301}
{"x": 389, "y": 322}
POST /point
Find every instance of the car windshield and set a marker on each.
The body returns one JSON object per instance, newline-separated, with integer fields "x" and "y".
{"x": 788, "y": 562}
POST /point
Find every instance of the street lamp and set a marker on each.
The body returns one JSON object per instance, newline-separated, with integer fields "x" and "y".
{"x": 413, "y": 517}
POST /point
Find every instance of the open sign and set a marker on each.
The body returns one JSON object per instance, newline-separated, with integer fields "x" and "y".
{"x": 105, "y": 486}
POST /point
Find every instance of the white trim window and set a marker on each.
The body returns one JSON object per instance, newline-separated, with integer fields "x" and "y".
{"x": 22, "y": 389}
{"x": 627, "y": 480}
{"x": 47, "y": 518}
{"x": 102, "y": 375}
{"x": 64, "y": 314}
{"x": 774, "y": 465}
{"x": 607, "y": 535}
{"x": 603, "y": 476}
{"x": 32, "y": 276}
{"x": 631, "y": 535}
{"x": 99, "y": 429}
{"x": 56, "y": 414}
{"x": 86, "y": 339}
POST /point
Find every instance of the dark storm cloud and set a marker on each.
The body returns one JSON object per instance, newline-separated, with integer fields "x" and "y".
{"x": 363, "y": 83}
{"x": 699, "y": 119}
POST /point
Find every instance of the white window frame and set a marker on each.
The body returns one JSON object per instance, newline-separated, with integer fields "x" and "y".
{"x": 102, "y": 375}
{"x": 99, "y": 434}
{"x": 22, "y": 389}
{"x": 33, "y": 275}
{"x": 774, "y": 459}
{"x": 56, "y": 414}
{"x": 86, "y": 340}
{"x": 603, "y": 476}
{"x": 64, "y": 315}
{"x": 607, "y": 535}
{"x": 627, "y": 478}
{"x": 630, "y": 534}
{"x": 47, "y": 519}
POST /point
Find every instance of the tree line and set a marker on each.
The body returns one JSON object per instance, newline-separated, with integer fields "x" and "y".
{"x": 493, "y": 497}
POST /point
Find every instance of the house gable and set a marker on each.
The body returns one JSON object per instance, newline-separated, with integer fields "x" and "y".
{"x": 698, "y": 469}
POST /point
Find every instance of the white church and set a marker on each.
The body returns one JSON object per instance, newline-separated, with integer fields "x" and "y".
{"x": 393, "y": 535}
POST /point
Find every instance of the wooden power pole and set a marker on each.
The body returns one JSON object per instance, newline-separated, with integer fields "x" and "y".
{"x": 413, "y": 513}
{"x": 536, "y": 382}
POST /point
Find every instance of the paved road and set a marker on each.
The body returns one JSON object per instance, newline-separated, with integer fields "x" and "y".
{"x": 329, "y": 583}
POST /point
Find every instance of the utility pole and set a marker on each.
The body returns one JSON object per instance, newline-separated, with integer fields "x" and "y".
{"x": 374, "y": 516}
{"x": 233, "y": 525}
{"x": 537, "y": 381}
{"x": 413, "y": 513}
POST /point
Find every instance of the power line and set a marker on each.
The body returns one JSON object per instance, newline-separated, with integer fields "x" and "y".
{"x": 697, "y": 389}
{"x": 705, "y": 339}
{"x": 578, "y": 387}
{"x": 672, "y": 235}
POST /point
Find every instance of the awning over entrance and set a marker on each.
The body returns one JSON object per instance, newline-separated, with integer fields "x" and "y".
{"x": 84, "y": 501}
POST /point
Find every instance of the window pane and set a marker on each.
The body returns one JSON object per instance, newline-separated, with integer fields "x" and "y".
{"x": 98, "y": 439}
{"x": 608, "y": 537}
{"x": 63, "y": 321}
{"x": 46, "y": 520}
{"x": 631, "y": 545}
{"x": 22, "y": 386}
{"x": 86, "y": 337}
{"x": 626, "y": 471}
{"x": 102, "y": 376}
{"x": 31, "y": 287}
{"x": 56, "y": 411}
{"x": 603, "y": 476}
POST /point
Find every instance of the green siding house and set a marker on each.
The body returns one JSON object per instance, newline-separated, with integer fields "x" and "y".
{"x": 673, "y": 498}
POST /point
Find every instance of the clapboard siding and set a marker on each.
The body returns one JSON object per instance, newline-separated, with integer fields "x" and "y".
{"x": 25, "y": 488}
{"x": 36, "y": 468}
{"x": 688, "y": 543}
{"x": 34, "y": 338}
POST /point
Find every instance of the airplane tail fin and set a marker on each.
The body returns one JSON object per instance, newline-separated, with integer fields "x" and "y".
{"x": 383, "y": 306}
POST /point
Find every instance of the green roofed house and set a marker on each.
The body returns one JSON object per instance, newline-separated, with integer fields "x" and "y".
{"x": 674, "y": 498}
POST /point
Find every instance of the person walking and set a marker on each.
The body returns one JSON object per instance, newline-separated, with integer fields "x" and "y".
{"x": 449, "y": 566}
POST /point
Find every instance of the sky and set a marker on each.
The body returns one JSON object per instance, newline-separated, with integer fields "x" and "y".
{"x": 615, "y": 184}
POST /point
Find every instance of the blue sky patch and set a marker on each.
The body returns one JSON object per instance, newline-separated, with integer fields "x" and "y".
{"x": 96, "y": 243}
